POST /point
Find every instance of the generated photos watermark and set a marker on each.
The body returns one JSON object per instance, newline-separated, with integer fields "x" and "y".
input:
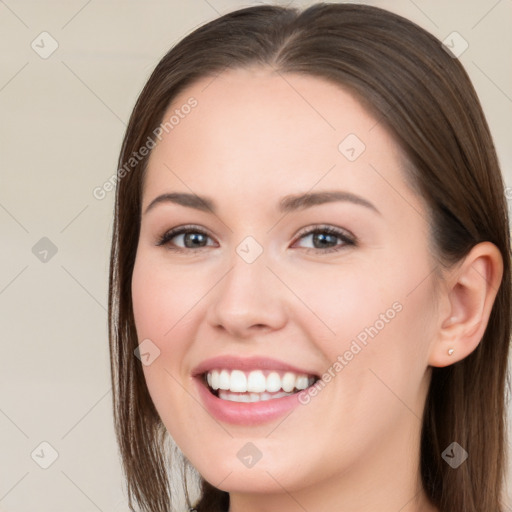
{"x": 356, "y": 346}
{"x": 101, "y": 191}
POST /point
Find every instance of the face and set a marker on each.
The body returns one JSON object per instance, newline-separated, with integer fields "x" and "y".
{"x": 258, "y": 289}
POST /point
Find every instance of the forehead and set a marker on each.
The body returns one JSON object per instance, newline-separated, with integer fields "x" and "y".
{"x": 248, "y": 108}
{"x": 254, "y": 132}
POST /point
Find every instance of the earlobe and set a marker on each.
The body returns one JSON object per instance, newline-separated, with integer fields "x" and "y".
{"x": 471, "y": 289}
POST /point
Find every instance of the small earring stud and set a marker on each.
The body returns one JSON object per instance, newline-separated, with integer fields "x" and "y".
{"x": 450, "y": 351}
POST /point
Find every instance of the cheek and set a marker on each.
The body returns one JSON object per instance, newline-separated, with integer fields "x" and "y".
{"x": 394, "y": 337}
{"x": 382, "y": 318}
{"x": 348, "y": 302}
{"x": 157, "y": 310}
{"x": 149, "y": 301}
{"x": 163, "y": 301}
{"x": 166, "y": 308}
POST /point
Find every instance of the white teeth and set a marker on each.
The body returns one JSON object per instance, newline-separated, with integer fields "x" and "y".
{"x": 273, "y": 382}
{"x": 288, "y": 382}
{"x": 302, "y": 382}
{"x": 238, "y": 382}
{"x": 255, "y": 383}
{"x": 224, "y": 380}
{"x": 214, "y": 376}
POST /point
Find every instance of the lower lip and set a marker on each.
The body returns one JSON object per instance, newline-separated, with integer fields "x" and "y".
{"x": 246, "y": 413}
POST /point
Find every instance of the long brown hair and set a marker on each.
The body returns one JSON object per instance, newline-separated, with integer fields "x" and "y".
{"x": 425, "y": 99}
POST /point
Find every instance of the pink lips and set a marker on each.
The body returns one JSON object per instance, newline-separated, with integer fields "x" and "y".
{"x": 245, "y": 413}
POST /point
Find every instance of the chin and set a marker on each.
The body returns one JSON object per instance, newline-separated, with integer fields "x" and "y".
{"x": 249, "y": 481}
{"x": 264, "y": 477}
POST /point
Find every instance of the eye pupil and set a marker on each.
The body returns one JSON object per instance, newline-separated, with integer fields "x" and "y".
{"x": 193, "y": 237}
{"x": 323, "y": 238}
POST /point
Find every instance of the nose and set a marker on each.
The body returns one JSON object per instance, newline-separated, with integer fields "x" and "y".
{"x": 248, "y": 300}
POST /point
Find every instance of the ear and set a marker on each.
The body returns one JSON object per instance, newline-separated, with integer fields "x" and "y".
{"x": 469, "y": 291}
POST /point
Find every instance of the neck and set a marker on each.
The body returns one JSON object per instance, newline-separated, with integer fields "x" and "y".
{"x": 303, "y": 501}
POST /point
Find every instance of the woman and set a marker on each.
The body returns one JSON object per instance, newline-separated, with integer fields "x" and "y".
{"x": 311, "y": 264}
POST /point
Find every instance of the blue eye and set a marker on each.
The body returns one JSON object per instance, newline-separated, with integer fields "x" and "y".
{"x": 194, "y": 238}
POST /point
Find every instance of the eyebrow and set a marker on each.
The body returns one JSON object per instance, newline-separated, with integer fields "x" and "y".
{"x": 286, "y": 204}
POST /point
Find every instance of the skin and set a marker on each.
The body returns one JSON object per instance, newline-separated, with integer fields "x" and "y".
{"x": 254, "y": 137}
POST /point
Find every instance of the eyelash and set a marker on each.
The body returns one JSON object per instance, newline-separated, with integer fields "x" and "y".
{"x": 347, "y": 239}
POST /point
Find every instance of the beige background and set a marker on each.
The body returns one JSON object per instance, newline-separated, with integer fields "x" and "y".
{"x": 63, "y": 119}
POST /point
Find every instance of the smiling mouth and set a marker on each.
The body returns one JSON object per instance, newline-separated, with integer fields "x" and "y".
{"x": 256, "y": 385}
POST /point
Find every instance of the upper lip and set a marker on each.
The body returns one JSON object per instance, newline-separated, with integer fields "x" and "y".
{"x": 230, "y": 362}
